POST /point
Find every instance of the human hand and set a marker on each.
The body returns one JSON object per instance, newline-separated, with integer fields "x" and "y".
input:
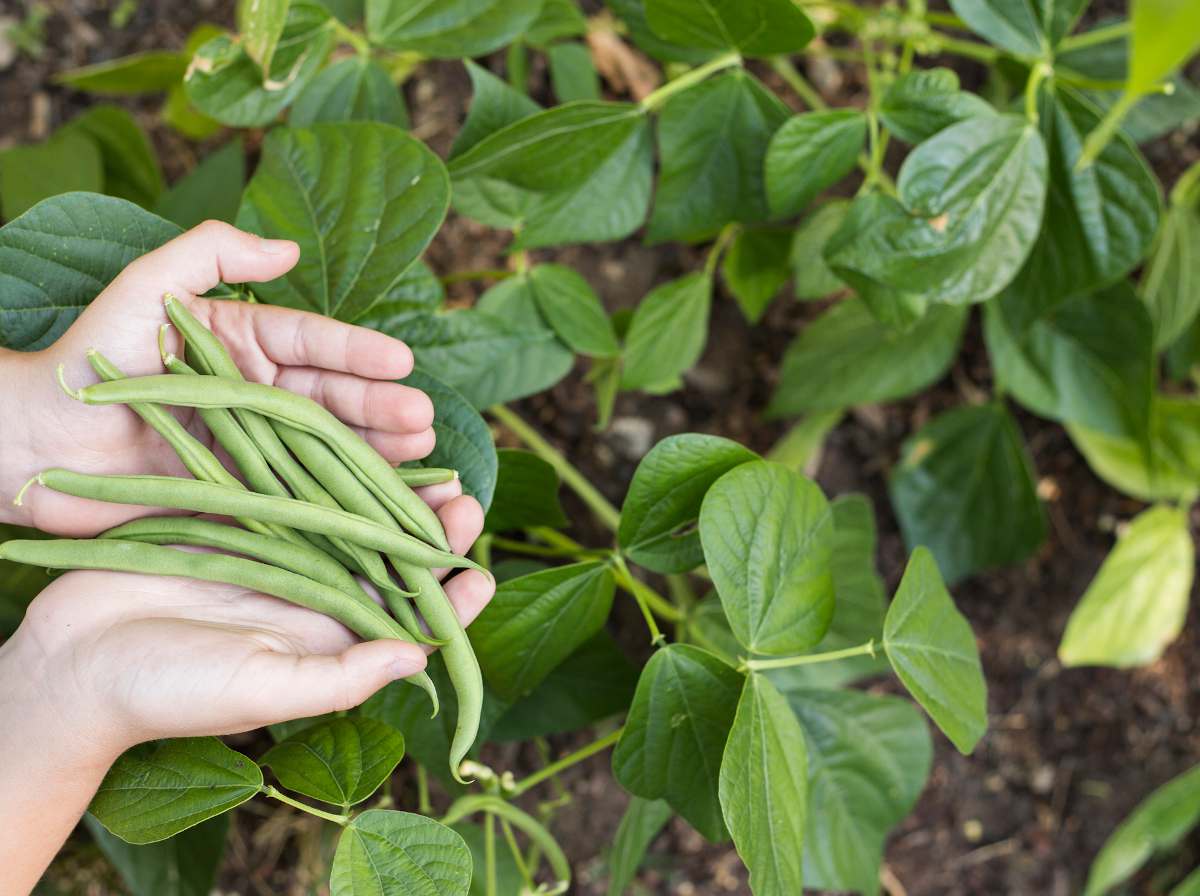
{"x": 348, "y": 369}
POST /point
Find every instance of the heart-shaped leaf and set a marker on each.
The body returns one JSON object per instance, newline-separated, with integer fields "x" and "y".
{"x": 340, "y": 761}
{"x": 383, "y": 852}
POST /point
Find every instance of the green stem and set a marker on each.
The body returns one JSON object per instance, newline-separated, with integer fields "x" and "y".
{"x": 1104, "y": 132}
{"x": 518, "y": 859}
{"x": 424, "y": 805}
{"x": 783, "y": 67}
{"x": 786, "y": 662}
{"x": 1093, "y": 37}
{"x": 489, "y": 852}
{"x": 654, "y": 101}
{"x": 971, "y": 50}
{"x": 630, "y": 584}
{"x": 483, "y": 274}
{"x": 573, "y": 479}
{"x": 272, "y": 792}
{"x": 530, "y": 550}
{"x": 1037, "y": 75}
{"x": 527, "y": 824}
{"x": 566, "y": 762}
{"x": 945, "y": 20}
{"x": 348, "y": 35}
{"x": 727, "y": 235}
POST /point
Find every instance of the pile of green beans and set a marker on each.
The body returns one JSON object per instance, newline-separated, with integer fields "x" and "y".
{"x": 315, "y": 507}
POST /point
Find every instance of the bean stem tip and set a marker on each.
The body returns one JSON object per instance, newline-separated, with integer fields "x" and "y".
{"x": 19, "y": 500}
{"x": 61, "y": 373}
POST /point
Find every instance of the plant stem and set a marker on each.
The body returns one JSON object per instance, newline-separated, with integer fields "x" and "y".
{"x": 567, "y": 761}
{"x": 348, "y": 35}
{"x": 971, "y": 50}
{"x": 654, "y": 101}
{"x": 783, "y": 67}
{"x": 630, "y": 584}
{"x": 483, "y": 274}
{"x": 272, "y": 792}
{"x": 727, "y": 235}
{"x": 1093, "y": 37}
{"x": 489, "y": 852}
{"x": 945, "y": 20}
{"x": 789, "y": 661}
{"x": 573, "y": 479}
{"x": 518, "y": 859}
{"x": 1037, "y": 75}
{"x": 530, "y": 550}
{"x": 1104, "y": 132}
{"x": 424, "y": 806}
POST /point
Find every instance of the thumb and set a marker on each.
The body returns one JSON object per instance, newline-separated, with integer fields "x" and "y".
{"x": 208, "y": 254}
{"x": 285, "y": 686}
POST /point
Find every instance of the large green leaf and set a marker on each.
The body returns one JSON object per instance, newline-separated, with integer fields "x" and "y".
{"x": 362, "y": 199}
{"x": 156, "y": 790}
{"x": 573, "y": 310}
{"x": 932, "y": 650}
{"x": 450, "y": 29}
{"x": 223, "y": 82}
{"x": 68, "y": 161}
{"x": 752, "y": 27}
{"x": 356, "y": 89}
{"x": 920, "y": 103}
{"x": 183, "y": 865}
{"x": 662, "y": 506}
{"x": 633, "y": 14}
{"x": 756, "y": 266}
{"x": 260, "y": 26}
{"x": 59, "y": 255}
{"x": 494, "y": 105}
{"x": 969, "y": 210}
{"x": 868, "y": 759}
{"x": 640, "y": 824}
{"x": 712, "y": 142}
{"x": 675, "y": 314}
{"x": 130, "y": 166}
{"x": 1165, "y": 34}
{"x": 537, "y": 621}
{"x": 965, "y": 489}
{"x": 809, "y": 153}
{"x": 1024, "y": 27}
{"x": 848, "y": 357}
{"x": 675, "y": 734}
{"x": 213, "y": 189}
{"x": 811, "y": 276}
{"x": 383, "y": 852}
{"x": 340, "y": 761}
{"x": 764, "y": 789}
{"x": 767, "y": 534}
{"x": 1137, "y": 603}
{"x": 137, "y": 73}
{"x": 572, "y": 73}
{"x": 1088, "y": 361}
{"x": 558, "y": 20}
{"x": 1157, "y": 824}
{"x": 1171, "y": 285}
{"x": 526, "y": 493}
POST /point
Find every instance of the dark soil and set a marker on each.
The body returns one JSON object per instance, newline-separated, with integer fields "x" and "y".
{"x": 1068, "y": 753}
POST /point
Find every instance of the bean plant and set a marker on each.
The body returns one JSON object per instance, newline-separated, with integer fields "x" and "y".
{"x": 1027, "y": 196}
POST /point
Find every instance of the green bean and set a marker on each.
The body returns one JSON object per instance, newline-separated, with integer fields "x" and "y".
{"x": 415, "y": 477}
{"x": 130, "y": 556}
{"x": 208, "y": 497}
{"x": 413, "y": 513}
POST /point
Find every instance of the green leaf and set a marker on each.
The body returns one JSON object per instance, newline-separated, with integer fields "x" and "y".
{"x": 932, "y": 649}
{"x": 633, "y": 14}
{"x": 965, "y": 489}
{"x": 449, "y": 29}
{"x": 1137, "y": 603}
{"x": 1165, "y": 466}
{"x": 970, "y": 207}
{"x": 764, "y": 789}
{"x": 674, "y": 314}
{"x": 573, "y": 310}
{"x": 812, "y": 151}
{"x": 580, "y": 172}
{"x": 557, "y": 20}
{"x": 489, "y": 360}
{"x": 67, "y": 162}
{"x": 212, "y": 189}
{"x": 537, "y": 621}
{"x": 712, "y": 140}
{"x": 1099, "y": 222}
{"x": 756, "y": 267}
{"x": 640, "y": 824}
{"x": 260, "y": 25}
{"x": 382, "y": 852}
{"x": 226, "y": 84}
{"x": 847, "y": 357}
{"x": 1088, "y": 361}
{"x": 494, "y": 106}
{"x": 1158, "y": 823}
{"x": 1024, "y": 27}
{"x": 767, "y": 533}
{"x": 362, "y": 199}
{"x": 183, "y": 865}
{"x": 918, "y": 104}
{"x": 595, "y": 682}
{"x": 1190, "y": 886}
{"x": 508, "y": 875}
{"x": 752, "y": 27}
{"x": 179, "y": 113}
{"x": 340, "y": 761}
{"x": 1166, "y": 33}
{"x": 139, "y": 73}
{"x": 356, "y": 89}
{"x": 58, "y": 256}
{"x": 675, "y": 734}
{"x": 156, "y": 790}
{"x": 868, "y": 759}
{"x": 572, "y": 73}
{"x": 800, "y": 447}
{"x": 526, "y": 493}
{"x": 417, "y": 290}
{"x": 811, "y": 276}
{"x": 464, "y": 442}
{"x": 1171, "y": 284}
{"x": 662, "y": 506}
{"x": 130, "y": 166}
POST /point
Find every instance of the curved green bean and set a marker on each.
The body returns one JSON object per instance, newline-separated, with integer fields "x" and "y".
{"x": 388, "y": 486}
{"x": 131, "y": 556}
{"x": 415, "y": 477}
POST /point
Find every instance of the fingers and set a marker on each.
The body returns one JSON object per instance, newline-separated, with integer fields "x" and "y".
{"x": 385, "y": 406}
{"x": 208, "y": 254}
{"x": 292, "y": 687}
{"x": 469, "y": 592}
{"x": 399, "y": 447}
{"x": 462, "y": 518}
{"x": 300, "y": 339}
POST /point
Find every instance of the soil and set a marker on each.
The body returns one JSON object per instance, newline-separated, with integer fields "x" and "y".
{"x": 1068, "y": 753}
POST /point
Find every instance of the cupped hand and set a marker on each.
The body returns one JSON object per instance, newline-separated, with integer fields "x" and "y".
{"x": 348, "y": 369}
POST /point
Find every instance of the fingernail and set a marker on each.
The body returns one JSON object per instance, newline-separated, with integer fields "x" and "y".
{"x": 409, "y": 663}
{"x": 275, "y": 247}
